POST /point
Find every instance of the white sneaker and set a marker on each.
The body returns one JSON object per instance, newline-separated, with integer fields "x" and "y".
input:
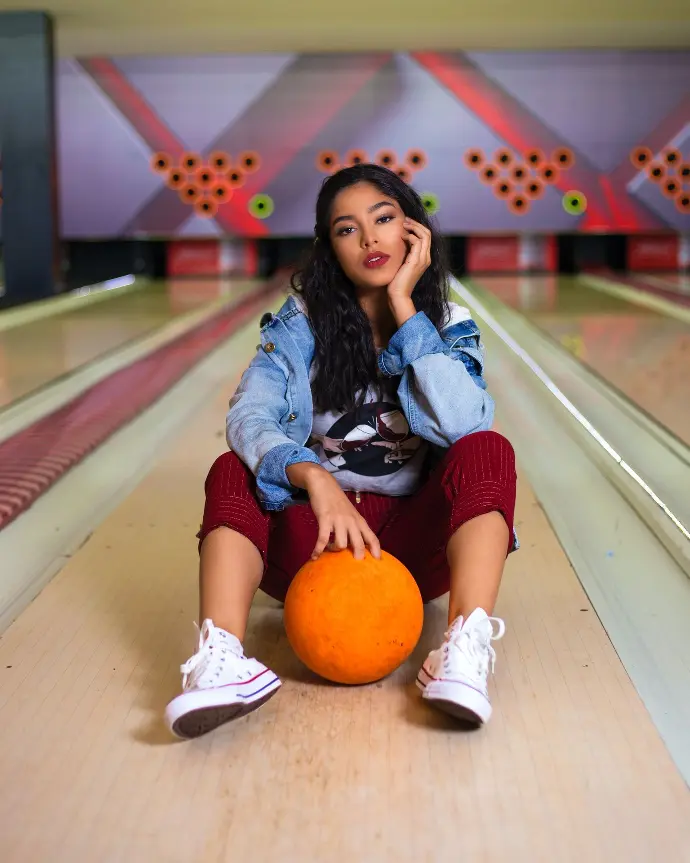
{"x": 219, "y": 684}
{"x": 454, "y": 677}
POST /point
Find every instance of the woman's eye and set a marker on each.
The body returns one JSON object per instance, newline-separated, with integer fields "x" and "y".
{"x": 384, "y": 219}
{"x": 343, "y": 231}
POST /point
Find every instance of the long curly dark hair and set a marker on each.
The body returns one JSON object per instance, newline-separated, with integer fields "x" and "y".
{"x": 345, "y": 362}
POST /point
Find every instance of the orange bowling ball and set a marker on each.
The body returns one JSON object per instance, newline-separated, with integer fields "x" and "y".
{"x": 353, "y": 621}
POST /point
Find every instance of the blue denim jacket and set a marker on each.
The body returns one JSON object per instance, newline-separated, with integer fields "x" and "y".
{"x": 442, "y": 392}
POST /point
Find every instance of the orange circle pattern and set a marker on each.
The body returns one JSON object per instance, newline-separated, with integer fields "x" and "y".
{"x": 204, "y": 177}
{"x": 671, "y": 188}
{"x": 249, "y": 161}
{"x": 503, "y": 157}
{"x": 416, "y": 160}
{"x": 657, "y": 172}
{"x": 386, "y": 158}
{"x": 549, "y": 173}
{"x": 160, "y": 163}
{"x": 189, "y": 193}
{"x": 235, "y": 178}
{"x": 670, "y": 171}
{"x": 330, "y": 161}
{"x": 564, "y": 158}
{"x": 221, "y": 192}
{"x": 191, "y": 178}
{"x": 535, "y": 189}
{"x": 176, "y": 179}
{"x": 519, "y": 205}
{"x": 219, "y": 161}
{"x": 205, "y": 184}
{"x": 535, "y": 158}
{"x": 474, "y": 159}
{"x": 641, "y": 156}
{"x": 519, "y": 178}
{"x": 520, "y": 173}
{"x": 672, "y": 157}
{"x": 355, "y": 157}
{"x": 207, "y": 207}
{"x": 488, "y": 174}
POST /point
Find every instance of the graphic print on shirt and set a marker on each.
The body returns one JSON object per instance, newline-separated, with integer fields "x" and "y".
{"x": 373, "y": 440}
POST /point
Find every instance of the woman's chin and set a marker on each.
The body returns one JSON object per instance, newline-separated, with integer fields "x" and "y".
{"x": 375, "y": 279}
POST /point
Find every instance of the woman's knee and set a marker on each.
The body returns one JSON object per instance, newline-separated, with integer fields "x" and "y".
{"x": 489, "y": 446}
{"x": 228, "y": 463}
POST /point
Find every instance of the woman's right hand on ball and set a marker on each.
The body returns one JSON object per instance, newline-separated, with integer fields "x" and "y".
{"x": 336, "y": 516}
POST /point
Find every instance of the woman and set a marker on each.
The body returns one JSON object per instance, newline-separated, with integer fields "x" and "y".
{"x": 363, "y": 421}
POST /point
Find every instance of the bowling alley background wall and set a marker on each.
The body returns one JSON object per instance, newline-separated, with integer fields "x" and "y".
{"x": 498, "y": 142}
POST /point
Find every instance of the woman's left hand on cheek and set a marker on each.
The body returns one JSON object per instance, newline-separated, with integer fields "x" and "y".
{"x": 415, "y": 264}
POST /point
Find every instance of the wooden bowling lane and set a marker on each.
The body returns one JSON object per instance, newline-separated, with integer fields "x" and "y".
{"x": 570, "y": 768}
{"x": 41, "y": 351}
{"x": 643, "y": 353}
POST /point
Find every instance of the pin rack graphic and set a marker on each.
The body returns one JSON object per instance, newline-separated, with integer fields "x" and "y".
{"x": 669, "y": 170}
{"x": 330, "y": 161}
{"x": 207, "y": 184}
{"x": 521, "y": 179}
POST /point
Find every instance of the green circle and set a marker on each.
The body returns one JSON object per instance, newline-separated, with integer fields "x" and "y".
{"x": 261, "y": 206}
{"x": 574, "y": 203}
{"x": 430, "y": 202}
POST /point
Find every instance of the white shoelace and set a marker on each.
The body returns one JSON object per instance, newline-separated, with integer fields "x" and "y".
{"x": 213, "y": 648}
{"x": 475, "y": 648}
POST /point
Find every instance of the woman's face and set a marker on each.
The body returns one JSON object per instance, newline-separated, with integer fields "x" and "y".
{"x": 367, "y": 235}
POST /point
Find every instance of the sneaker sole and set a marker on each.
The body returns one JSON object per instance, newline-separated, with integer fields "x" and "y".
{"x": 456, "y": 699}
{"x": 195, "y": 713}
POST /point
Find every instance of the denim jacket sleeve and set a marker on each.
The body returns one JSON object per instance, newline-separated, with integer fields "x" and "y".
{"x": 255, "y": 433}
{"x": 442, "y": 388}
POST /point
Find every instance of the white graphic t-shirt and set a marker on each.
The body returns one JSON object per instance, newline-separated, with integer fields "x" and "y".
{"x": 370, "y": 449}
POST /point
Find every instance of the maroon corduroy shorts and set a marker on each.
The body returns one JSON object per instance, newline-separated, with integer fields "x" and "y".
{"x": 476, "y": 476}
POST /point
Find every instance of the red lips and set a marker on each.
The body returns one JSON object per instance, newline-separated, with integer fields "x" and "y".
{"x": 376, "y": 259}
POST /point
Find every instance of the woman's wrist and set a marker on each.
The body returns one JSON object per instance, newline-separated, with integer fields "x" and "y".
{"x": 402, "y": 309}
{"x": 306, "y": 474}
